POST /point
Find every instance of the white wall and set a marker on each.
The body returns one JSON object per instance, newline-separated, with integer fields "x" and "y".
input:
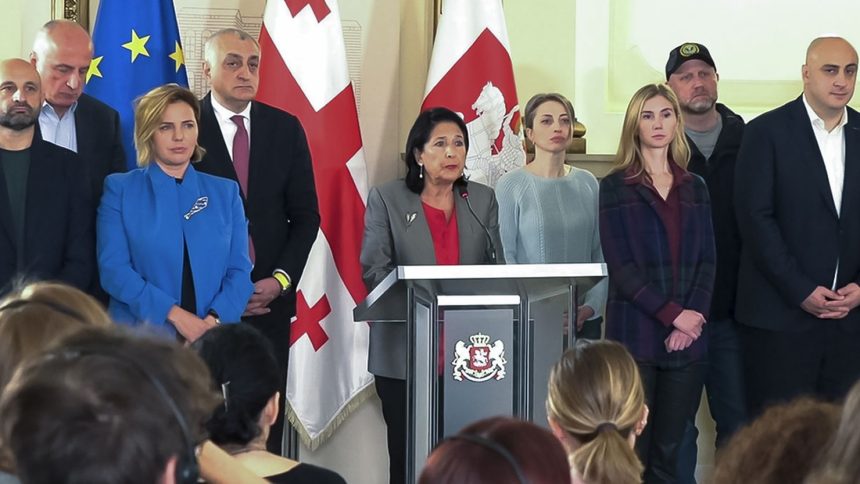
{"x": 758, "y": 48}
{"x": 18, "y": 25}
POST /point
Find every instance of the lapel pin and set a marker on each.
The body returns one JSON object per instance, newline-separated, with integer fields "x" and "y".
{"x": 410, "y": 217}
{"x": 199, "y": 205}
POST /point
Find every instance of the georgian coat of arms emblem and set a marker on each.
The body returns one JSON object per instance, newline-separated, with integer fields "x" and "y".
{"x": 479, "y": 361}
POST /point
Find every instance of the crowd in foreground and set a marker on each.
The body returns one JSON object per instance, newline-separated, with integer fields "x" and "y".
{"x": 84, "y": 400}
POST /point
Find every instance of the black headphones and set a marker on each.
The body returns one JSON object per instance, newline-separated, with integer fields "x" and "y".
{"x": 187, "y": 471}
{"x": 60, "y": 308}
{"x": 495, "y": 447}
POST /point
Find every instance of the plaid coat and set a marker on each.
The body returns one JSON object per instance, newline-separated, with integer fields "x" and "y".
{"x": 637, "y": 254}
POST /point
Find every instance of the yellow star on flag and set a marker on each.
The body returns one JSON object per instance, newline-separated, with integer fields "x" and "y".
{"x": 137, "y": 45}
{"x": 178, "y": 57}
{"x": 94, "y": 68}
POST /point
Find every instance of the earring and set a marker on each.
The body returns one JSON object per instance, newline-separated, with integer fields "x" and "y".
{"x": 420, "y": 171}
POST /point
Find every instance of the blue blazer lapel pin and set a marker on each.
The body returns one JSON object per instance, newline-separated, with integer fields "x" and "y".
{"x": 199, "y": 205}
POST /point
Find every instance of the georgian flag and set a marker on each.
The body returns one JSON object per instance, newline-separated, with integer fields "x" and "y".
{"x": 471, "y": 73}
{"x": 303, "y": 70}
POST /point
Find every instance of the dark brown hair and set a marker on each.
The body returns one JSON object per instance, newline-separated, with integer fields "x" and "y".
{"x": 105, "y": 406}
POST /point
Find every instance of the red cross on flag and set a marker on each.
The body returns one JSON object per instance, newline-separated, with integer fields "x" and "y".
{"x": 303, "y": 70}
{"x": 471, "y": 73}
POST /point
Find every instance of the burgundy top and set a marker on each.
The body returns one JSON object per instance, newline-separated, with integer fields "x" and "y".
{"x": 446, "y": 237}
{"x": 669, "y": 211}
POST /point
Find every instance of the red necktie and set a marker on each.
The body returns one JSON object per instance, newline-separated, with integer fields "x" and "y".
{"x": 241, "y": 158}
{"x": 241, "y": 152}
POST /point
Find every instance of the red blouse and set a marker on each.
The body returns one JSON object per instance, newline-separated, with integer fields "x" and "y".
{"x": 669, "y": 211}
{"x": 446, "y": 238}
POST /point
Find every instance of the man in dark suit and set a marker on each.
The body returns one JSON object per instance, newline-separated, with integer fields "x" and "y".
{"x": 797, "y": 197}
{"x": 62, "y": 52}
{"x": 46, "y": 218}
{"x": 265, "y": 150}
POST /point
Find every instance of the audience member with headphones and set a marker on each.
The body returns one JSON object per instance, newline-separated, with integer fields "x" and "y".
{"x": 106, "y": 407}
{"x": 498, "y": 450}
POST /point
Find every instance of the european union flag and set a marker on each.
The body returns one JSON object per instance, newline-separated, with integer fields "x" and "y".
{"x": 136, "y": 48}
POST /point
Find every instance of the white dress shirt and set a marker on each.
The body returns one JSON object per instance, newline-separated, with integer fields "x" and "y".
{"x": 831, "y": 144}
{"x": 57, "y": 130}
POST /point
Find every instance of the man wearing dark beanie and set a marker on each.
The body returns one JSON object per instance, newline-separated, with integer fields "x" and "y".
{"x": 714, "y": 134}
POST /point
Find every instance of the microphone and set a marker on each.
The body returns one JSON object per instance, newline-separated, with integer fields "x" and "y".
{"x": 491, "y": 247}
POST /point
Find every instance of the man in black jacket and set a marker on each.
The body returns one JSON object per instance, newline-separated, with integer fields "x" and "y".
{"x": 265, "y": 150}
{"x": 714, "y": 134}
{"x": 797, "y": 194}
{"x": 46, "y": 218}
{"x": 62, "y": 52}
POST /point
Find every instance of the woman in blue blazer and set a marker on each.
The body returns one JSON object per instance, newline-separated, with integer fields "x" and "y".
{"x": 172, "y": 242}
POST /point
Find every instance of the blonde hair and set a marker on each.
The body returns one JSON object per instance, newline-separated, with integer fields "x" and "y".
{"x": 840, "y": 463}
{"x": 34, "y": 318}
{"x": 37, "y": 315}
{"x": 596, "y": 395}
{"x": 629, "y": 156}
{"x": 150, "y": 108}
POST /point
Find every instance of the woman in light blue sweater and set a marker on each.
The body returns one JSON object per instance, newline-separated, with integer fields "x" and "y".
{"x": 548, "y": 210}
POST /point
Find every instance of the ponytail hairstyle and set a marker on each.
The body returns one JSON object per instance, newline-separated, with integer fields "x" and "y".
{"x": 244, "y": 370}
{"x": 596, "y": 396}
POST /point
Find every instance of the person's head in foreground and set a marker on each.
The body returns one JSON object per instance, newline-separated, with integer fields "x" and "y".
{"x": 596, "y": 408}
{"x": 242, "y": 364}
{"x": 840, "y": 461}
{"x": 780, "y": 446}
{"x": 107, "y": 407}
{"x": 34, "y": 317}
{"x": 37, "y": 315}
{"x": 498, "y": 450}
{"x": 244, "y": 371}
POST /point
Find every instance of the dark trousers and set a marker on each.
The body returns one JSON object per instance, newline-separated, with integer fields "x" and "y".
{"x": 672, "y": 391}
{"x": 275, "y": 326}
{"x": 392, "y": 393}
{"x": 781, "y": 365}
{"x": 726, "y": 397}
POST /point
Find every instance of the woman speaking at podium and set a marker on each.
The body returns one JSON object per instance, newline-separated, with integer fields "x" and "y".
{"x": 433, "y": 216}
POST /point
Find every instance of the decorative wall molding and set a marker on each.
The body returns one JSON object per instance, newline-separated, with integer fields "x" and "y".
{"x": 75, "y": 10}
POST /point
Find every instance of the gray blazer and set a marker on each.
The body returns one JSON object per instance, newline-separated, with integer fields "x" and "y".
{"x": 390, "y": 239}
